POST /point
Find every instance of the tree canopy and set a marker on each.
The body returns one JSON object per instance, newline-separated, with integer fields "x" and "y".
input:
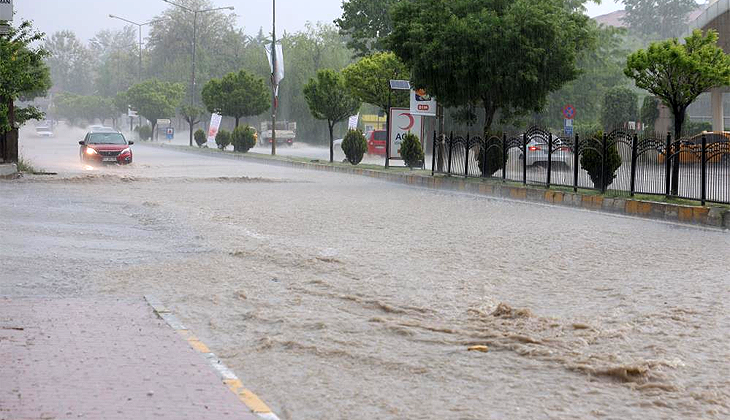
{"x": 620, "y": 105}
{"x": 504, "y": 55}
{"x": 330, "y": 100}
{"x": 154, "y": 99}
{"x": 70, "y": 62}
{"x": 368, "y": 79}
{"x": 237, "y": 95}
{"x": 658, "y": 19}
{"x": 366, "y": 24}
{"x": 23, "y": 75}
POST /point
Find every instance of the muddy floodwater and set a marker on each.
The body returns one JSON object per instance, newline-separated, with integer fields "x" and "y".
{"x": 342, "y": 297}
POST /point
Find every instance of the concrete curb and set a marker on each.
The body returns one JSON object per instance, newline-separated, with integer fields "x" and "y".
{"x": 253, "y": 402}
{"x": 714, "y": 217}
{"x": 8, "y": 170}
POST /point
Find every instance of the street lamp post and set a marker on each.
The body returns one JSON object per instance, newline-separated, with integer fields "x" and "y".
{"x": 195, "y": 34}
{"x": 139, "y": 26}
{"x": 273, "y": 81}
{"x": 139, "y": 67}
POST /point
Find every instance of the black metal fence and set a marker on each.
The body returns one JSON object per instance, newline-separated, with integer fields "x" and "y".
{"x": 622, "y": 162}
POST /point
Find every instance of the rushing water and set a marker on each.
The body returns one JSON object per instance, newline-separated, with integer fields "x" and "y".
{"x": 338, "y": 297}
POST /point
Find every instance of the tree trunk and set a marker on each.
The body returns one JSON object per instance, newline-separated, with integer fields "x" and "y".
{"x": 489, "y": 111}
{"x": 237, "y": 118}
{"x": 190, "y": 122}
{"x": 679, "y": 116}
{"x": 332, "y": 142}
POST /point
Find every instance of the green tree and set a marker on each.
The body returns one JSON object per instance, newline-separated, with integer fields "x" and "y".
{"x": 115, "y": 64}
{"x": 677, "y": 73}
{"x": 620, "y": 105}
{"x": 504, "y": 55}
{"x": 154, "y": 99}
{"x": 23, "y": 75}
{"x": 366, "y": 24}
{"x": 70, "y": 62}
{"x": 200, "y": 137}
{"x": 649, "y": 112}
{"x": 329, "y": 99}
{"x": 658, "y": 19}
{"x": 243, "y": 139}
{"x": 191, "y": 114}
{"x": 369, "y": 78}
{"x": 411, "y": 151}
{"x": 354, "y": 145}
{"x": 237, "y": 95}
{"x": 223, "y": 139}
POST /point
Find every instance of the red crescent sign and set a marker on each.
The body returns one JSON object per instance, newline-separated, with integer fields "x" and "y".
{"x": 410, "y": 117}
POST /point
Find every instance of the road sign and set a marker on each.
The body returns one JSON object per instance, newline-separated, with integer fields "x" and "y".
{"x": 403, "y": 122}
{"x": 6, "y": 10}
{"x": 422, "y": 104}
{"x": 569, "y": 112}
{"x": 132, "y": 113}
{"x": 170, "y": 133}
{"x": 568, "y": 127}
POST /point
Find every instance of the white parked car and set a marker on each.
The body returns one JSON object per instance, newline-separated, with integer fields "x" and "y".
{"x": 537, "y": 153}
{"x": 44, "y": 131}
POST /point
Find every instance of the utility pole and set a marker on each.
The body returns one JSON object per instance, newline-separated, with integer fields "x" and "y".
{"x": 274, "y": 82}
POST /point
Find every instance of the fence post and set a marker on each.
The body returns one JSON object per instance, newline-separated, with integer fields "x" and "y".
{"x": 550, "y": 160}
{"x": 603, "y": 163}
{"x": 524, "y": 158}
{"x": 668, "y": 165}
{"x": 504, "y": 157}
{"x": 576, "y": 162}
{"x": 634, "y": 150}
{"x": 466, "y": 160}
{"x": 704, "y": 171}
{"x": 433, "y": 154}
{"x": 451, "y": 147}
{"x": 485, "y": 165}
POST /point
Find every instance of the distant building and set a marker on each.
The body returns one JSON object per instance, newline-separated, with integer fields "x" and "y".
{"x": 616, "y": 18}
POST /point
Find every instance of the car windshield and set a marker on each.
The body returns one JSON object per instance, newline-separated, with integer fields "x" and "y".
{"x": 381, "y": 135}
{"x": 42, "y": 129}
{"x": 106, "y": 138}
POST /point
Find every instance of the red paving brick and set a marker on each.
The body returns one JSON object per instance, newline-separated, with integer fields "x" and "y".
{"x": 71, "y": 358}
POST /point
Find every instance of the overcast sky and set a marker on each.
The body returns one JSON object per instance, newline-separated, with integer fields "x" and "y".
{"x": 86, "y": 17}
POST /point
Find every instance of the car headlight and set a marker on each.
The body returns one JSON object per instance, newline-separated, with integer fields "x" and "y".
{"x": 125, "y": 151}
{"x": 90, "y": 151}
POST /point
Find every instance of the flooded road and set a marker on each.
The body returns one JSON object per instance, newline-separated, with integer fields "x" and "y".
{"x": 342, "y": 297}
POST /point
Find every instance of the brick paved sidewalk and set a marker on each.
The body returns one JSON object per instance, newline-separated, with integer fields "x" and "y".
{"x": 71, "y": 358}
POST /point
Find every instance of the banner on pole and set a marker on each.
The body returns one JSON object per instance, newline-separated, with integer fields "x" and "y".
{"x": 403, "y": 122}
{"x": 6, "y": 10}
{"x": 279, "y": 73}
{"x": 352, "y": 123}
{"x": 215, "y": 124}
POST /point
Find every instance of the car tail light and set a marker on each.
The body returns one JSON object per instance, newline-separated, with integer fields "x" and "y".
{"x": 564, "y": 149}
{"x": 534, "y": 148}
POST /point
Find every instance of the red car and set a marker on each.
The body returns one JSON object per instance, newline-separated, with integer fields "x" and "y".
{"x": 376, "y": 142}
{"x": 99, "y": 148}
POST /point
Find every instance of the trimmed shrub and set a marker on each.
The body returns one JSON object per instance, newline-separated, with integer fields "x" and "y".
{"x": 354, "y": 145}
{"x": 590, "y": 160}
{"x": 411, "y": 151}
{"x": 223, "y": 139}
{"x": 200, "y": 137}
{"x": 243, "y": 139}
{"x": 145, "y": 132}
{"x": 496, "y": 159}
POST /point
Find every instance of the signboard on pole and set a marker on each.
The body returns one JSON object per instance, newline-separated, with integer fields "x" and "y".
{"x": 402, "y": 122}
{"x": 215, "y": 124}
{"x": 6, "y": 10}
{"x": 422, "y": 104}
{"x": 131, "y": 113}
{"x": 568, "y": 127}
{"x": 569, "y": 112}
{"x": 352, "y": 122}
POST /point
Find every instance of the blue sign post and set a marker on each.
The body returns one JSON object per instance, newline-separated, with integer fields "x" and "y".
{"x": 170, "y": 133}
{"x": 569, "y": 114}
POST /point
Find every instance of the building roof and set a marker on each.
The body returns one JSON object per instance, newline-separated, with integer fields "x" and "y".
{"x": 615, "y": 19}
